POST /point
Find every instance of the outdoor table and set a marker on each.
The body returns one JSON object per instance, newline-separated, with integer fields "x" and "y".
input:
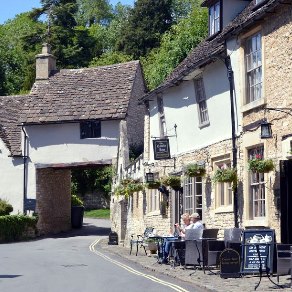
{"x": 178, "y": 245}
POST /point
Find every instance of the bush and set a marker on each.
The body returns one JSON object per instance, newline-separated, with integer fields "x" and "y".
{"x": 5, "y": 208}
{"x": 13, "y": 227}
{"x": 76, "y": 201}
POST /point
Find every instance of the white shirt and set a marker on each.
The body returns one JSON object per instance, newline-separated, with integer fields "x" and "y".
{"x": 198, "y": 225}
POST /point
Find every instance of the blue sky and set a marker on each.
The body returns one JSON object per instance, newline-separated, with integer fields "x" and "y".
{"x": 13, "y": 7}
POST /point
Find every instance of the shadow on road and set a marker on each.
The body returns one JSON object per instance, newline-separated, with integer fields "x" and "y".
{"x": 89, "y": 228}
{"x": 9, "y": 276}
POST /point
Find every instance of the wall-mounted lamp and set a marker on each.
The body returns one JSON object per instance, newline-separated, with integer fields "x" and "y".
{"x": 149, "y": 176}
{"x": 266, "y": 130}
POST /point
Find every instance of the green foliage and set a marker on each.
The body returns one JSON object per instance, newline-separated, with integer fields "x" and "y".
{"x": 171, "y": 181}
{"x": 261, "y": 165}
{"x": 110, "y": 58}
{"x": 100, "y": 213}
{"x": 128, "y": 187}
{"x": 225, "y": 175}
{"x": 13, "y": 227}
{"x": 135, "y": 150}
{"x": 175, "y": 45}
{"x": 194, "y": 169}
{"x": 89, "y": 180}
{"x": 5, "y": 207}
{"x": 76, "y": 201}
{"x": 148, "y": 20}
{"x": 153, "y": 185}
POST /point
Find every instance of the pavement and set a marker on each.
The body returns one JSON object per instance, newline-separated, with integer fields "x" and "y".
{"x": 207, "y": 280}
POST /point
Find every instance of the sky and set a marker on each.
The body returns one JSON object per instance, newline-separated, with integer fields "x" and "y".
{"x": 8, "y": 9}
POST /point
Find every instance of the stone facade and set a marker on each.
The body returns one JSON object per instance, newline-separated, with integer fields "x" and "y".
{"x": 53, "y": 200}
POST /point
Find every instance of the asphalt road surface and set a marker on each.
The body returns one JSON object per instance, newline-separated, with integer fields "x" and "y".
{"x": 71, "y": 262}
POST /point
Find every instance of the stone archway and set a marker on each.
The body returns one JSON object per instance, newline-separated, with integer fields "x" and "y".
{"x": 53, "y": 199}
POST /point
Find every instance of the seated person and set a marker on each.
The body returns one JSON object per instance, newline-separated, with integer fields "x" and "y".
{"x": 196, "y": 221}
{"x": 179, "y": 230}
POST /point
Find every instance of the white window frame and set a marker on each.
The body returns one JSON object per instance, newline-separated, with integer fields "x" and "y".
{"x": 154, "y": 197}
{"x": 201, "y": 102}
{"x": 223, "y": 191}
{"x": 257, "y": 193}
{"x": 253, "y": 68}
{"x": 214, "y": 18}
{"x": 192, "y": 197}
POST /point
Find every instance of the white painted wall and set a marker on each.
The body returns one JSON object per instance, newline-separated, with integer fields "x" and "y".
{"x": 231, "y": 8}
{"x": 61, "y": 143}
{"x": 181, "y": 109}
{"x": 236, "y": 57}
{"x": 11, "y": 172}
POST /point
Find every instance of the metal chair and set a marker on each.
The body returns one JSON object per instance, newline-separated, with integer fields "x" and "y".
{"x": 193, "y": 255}
{"x": 283, "y": 259}
{"x": 140, "y": 240}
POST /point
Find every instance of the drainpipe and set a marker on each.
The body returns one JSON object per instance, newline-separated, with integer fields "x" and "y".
{"x": 230, "y": 76}
{"x": 24, "y": 169}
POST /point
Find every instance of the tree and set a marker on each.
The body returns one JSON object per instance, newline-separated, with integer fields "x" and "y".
{"x": 148, "y": 20}
{"x": 175, "y": 45}
{"x": 17, "y": 61}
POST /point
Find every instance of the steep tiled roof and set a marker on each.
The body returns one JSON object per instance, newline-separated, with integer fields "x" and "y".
{"x": 70, "y": 95}
{"x": 79, "y": 94}
{"x": 206, "y": 50}
{"x": 10, "y": 131}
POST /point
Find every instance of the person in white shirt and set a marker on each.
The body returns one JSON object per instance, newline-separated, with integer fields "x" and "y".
{"x": 196, "y": 221}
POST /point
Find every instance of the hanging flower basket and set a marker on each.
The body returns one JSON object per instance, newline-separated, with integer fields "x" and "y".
{"x": 128, "y": 187}
{"x": 153, "y": 185}
{"x": 193, "y": 170}
{"x": 225, "y": 175}
{"x": 261, "y": 165}
{"x": 171, "y": 181}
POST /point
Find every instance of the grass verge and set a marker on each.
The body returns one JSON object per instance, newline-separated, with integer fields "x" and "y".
{"x": 100, "y": 213}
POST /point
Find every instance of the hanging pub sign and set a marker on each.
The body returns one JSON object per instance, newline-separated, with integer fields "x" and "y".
{"x": 161, "y": 149}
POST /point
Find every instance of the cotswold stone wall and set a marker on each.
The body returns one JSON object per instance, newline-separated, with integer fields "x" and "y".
{"x": 277, "y": 86}
{"x": 53, "y": 196}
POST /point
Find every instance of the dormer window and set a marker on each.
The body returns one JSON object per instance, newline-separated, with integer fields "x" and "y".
{"x": 214, "y": 18}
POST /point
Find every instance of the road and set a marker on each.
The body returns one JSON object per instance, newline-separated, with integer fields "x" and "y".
{"x": 71, "y": 262}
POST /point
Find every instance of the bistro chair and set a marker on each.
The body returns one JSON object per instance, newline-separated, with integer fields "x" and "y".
{"x": 283, "y": 259}
{"x": 140, "y": 240}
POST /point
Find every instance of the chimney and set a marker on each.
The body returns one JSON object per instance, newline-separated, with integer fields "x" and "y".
{"x": 45, "y": 63}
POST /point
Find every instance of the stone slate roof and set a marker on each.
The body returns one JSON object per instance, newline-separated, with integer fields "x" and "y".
{"x": 10, "y": 131}
{"x": 80, "y": 94}
{"x": 68, "y": 96}
{"x": 209, "y": 48}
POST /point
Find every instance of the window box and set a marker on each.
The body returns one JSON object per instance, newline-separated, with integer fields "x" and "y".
{"x": 193, "y": 170}
{"x": 261, "y": 165}
{"x": 225, "y": 175}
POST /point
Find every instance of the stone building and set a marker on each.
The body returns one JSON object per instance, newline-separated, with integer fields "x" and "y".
{"x": 72, "y": 118}
{"x": 211, "y": 109}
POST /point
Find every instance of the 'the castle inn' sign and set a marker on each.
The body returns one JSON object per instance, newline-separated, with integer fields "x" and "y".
{"x": 161, "y": 149}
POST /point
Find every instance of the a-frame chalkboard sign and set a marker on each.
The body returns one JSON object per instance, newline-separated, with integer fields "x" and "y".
{"x": 258, "y": 250}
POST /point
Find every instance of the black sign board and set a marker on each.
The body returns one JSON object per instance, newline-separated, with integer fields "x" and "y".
{"x": 258, "y": 250}
{"x": 113, "y": 238}
{"x": 161, "y": 149}
{"x": 149, "y": 177}
{"x": 229, "y": 263}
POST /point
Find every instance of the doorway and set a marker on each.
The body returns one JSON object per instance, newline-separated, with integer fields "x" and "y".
{"x": 286, "y": 200}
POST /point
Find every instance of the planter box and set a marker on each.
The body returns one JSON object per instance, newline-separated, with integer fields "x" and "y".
{"x": 77, "y": 213}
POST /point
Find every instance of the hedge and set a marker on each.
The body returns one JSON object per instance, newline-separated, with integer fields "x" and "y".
{"x": 15, "y": 227}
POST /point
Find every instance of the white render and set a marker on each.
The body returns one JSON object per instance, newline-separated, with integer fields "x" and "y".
{"x": 52, "y": 144}
{"x": 61, "y": 143}
{"x": 180, "y": 108}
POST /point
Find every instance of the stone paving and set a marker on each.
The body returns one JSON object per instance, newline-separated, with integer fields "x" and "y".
{"x": 208, "y": 280}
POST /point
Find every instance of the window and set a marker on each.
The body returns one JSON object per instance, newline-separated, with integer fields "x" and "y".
{"x": 214, "y": 18}
{"x": 258, "y": 1}
{"x": 90, "y": 129}
{"x": 201, "y": 101}
{"x": 223, "y": 190}
{"x": 153, "y": 200}
{"x": 162, "y": 123}
{"x": 253, "y": 63}
{"x": 193, "y": 195}
{"x": 257, "y": 187}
